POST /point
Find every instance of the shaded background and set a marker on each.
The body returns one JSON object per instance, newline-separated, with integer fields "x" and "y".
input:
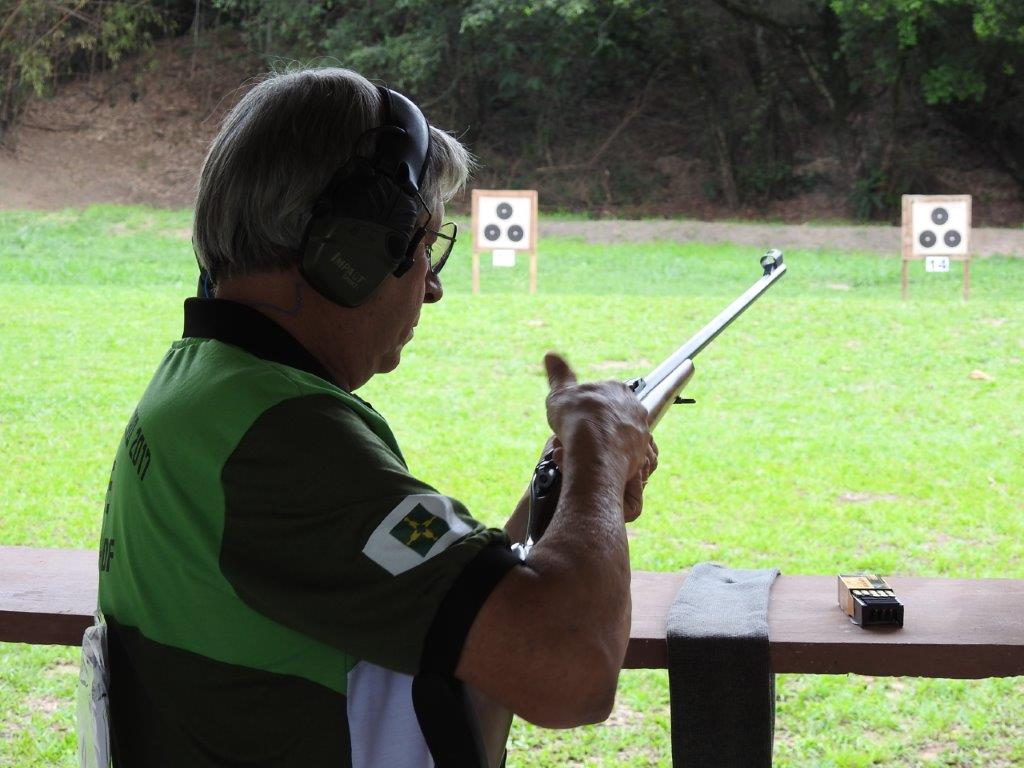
{"x": 792, "y": 110}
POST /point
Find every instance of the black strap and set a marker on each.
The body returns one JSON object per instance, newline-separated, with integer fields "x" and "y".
{"x": 447, "y": 721}
{"x": 455, "y": 615}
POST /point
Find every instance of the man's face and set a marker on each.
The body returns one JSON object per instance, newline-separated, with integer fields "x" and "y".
{"x": 397, "y": 304}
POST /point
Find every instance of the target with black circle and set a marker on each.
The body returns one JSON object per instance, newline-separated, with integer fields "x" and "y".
{"x": 939, "y": 225}
{"x": 503, "y": 220}
{"x": 504, "y": 223}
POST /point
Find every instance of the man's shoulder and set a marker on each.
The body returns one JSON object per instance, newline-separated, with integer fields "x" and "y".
{"x": 207, "y": 397}
{"x": 199, "y": 371}
{"x": 218, "y": 366}
{"x": 313, "y": 416}
{"x": 317, "y": 442}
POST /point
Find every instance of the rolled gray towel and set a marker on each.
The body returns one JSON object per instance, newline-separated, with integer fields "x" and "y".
{"x": 721, "y": 683}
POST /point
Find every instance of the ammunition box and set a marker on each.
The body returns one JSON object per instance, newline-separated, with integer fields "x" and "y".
{"x": 869, "y": 601}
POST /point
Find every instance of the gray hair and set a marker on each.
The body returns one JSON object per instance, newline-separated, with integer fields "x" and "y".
{"x": 275, "y": 153}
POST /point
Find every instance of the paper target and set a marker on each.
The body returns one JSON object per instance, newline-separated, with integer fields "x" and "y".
{"x": 939, "y": 226}
{"x": 504, "y": 223}
{"x": 504, "y": 220}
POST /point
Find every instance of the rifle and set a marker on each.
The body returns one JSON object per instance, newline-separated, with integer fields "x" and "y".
{"x": 657, "y": 391}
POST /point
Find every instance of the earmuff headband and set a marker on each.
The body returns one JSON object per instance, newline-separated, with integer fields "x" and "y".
{"x": 410, "y": 149}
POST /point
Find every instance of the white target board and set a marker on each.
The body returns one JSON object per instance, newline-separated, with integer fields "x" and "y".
{"x": 937, "y": 230}
{"x": 940, "y": 227}
{"x": 504, "y": 222}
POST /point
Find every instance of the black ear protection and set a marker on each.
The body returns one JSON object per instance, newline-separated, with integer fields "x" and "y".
{"x": 364, "y": 223}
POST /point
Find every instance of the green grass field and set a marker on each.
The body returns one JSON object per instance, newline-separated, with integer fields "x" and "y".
{"x": 837, "y": 428}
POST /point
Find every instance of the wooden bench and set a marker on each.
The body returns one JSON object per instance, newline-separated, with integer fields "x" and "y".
{"x": 955, "y": 628}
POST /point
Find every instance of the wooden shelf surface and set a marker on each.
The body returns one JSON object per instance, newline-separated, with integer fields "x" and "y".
{"x": 955, "y": 628}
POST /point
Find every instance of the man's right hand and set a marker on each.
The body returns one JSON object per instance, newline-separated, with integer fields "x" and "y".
{"x": 601, "y": 424}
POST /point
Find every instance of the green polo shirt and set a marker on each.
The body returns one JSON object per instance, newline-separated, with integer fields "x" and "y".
{"x": 280, "y": 589}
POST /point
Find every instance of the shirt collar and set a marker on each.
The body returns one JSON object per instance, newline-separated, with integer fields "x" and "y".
{"x": 242, "y": 326}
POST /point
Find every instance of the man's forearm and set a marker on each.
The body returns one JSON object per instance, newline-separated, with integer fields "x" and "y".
{"x": 569, "y": 606}
{"x": 587, "y": 539}
{"x": 584, "y": 553}
{"x": 549, "y": 641}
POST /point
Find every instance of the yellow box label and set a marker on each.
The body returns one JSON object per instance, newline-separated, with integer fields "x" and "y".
{"x": 856, "y": 582}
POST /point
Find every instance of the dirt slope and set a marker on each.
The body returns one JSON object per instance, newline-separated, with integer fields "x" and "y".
{"x": 137, "y": 134}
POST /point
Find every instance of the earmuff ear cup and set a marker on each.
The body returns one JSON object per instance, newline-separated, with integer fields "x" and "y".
{"x": 343, "y": 248}
{"x": 342, "y": 258}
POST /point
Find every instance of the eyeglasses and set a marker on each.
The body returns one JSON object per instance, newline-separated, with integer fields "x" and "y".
{"x": 444, "y": 241}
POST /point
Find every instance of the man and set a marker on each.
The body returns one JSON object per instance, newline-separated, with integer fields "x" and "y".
{"x": 279, "y": 589}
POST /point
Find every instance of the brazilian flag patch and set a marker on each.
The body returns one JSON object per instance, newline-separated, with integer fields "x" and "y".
{"x": 419, "y": 530}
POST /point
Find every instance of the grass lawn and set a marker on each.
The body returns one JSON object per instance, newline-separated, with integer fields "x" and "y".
{"x": 837, "y": 428}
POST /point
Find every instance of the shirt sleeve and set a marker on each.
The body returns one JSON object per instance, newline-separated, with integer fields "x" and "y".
{"x": 326, "y": 532}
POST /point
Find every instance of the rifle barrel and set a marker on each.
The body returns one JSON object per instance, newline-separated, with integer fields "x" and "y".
{"x": 656, "y": 392}
{"x": 707, "y": 334}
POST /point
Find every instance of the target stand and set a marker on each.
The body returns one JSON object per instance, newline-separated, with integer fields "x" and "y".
{"x": 937, "y": 230}
{"x": 504, "y": 223}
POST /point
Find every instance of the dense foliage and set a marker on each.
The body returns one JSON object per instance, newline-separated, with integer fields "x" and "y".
{"x": 42, "y": 41}
{"x": 593, "y": 98}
